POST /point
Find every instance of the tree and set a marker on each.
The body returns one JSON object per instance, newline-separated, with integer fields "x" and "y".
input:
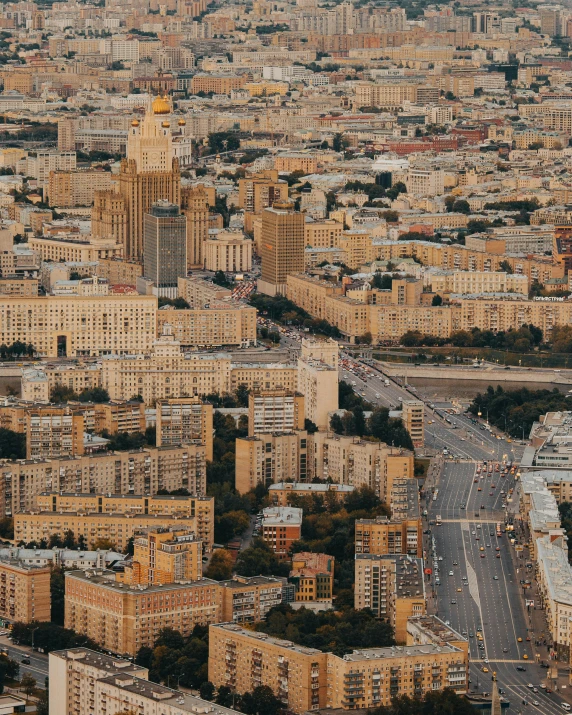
{"x": 242, "y": 393}
{"x": 207, "y": 690}
{"x": 259, "y": 560}
{"x": 220, "y": 566}
{"x": 261, "y": 701}
{"x": 231, "y": 524}
{"x": 505, "y": 266}
{"x": 12, "y": 444}
{"x": 366, "y": 338}
{"x": 461, "y": 206}
{"x": 411, "y": 339}
{"x": 437, "y": 300}
{"x": 224, "y": 696}
{"x": 103, "y": 544}
{"x": 57, "y": 591}
{"x": 61, "y": 393}
{"x": 43, "y": 702}
{"x": 28, "y": 683}
{"x": 97, "y": 395}
{"x": 310, "y": 427}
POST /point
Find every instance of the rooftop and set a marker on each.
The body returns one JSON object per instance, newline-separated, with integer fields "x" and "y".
{"x": 232, "y": 628}
{"x": 400, "y": 652}
{"x": 106, "y": 579}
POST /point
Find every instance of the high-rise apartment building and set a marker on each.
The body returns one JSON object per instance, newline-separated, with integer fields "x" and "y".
{"x": 275, "y": 411}
{"x": 412, "y": 412}
{"x": 272, "y": 457}
{"x": 391, "y": 586}
{"x": 165, "y": 247}
{"x": 247, "y": 599}
{"x": 54, "y": 431}
{"x": 282, "y": 247}
{"x": 185, "y": 420}
{"x": 24, "y": 592}
{"x": 195, "y": 206}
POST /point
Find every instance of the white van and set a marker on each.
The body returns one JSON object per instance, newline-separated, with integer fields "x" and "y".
{"x": 565, "y": 706}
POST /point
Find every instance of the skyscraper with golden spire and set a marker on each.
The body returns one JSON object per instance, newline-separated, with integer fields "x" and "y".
{"x": 148, "y": 174}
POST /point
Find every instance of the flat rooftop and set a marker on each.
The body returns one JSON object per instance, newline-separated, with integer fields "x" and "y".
{"x": 106, "y": 579}
{"x": 99, "y": 660}
{"x": 232, "y": 628}
{"x": 400, "y": 652}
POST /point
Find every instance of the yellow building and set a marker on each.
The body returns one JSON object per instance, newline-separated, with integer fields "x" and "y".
{"x": 412, "y": 413}
{"x": 348, "y": 460}
{"x": 270, "y": 458}
{"x": 144, "y": 471}
{"x": 185, "y": 420}
{"x": 391, "y": 586}
{"x": 74, "y": 248}
{"x": 373, "y": 677}
{"x": 164, "y": 556}
{"x": 310, "y": 293}
{"x": 76, "y": 188}
{"x": 229, "y": 252}
{"x": 296, "y": 161}
{"x": 313, "y": 576}
{"x": 275, "y": 411}
{"x": 77, "y": 325}
{"x": 388, "y": 536}
{"x": 195, "y": 203}
{"x": 218, "y": 325}
{"x": 242, "y": 660}
{"x": 247, "y": 599}
{"x": 219, "y": 84}
{"x": 24, "y": 592}
{"x": 265, "y": 89}
{"x": 318, "y": 382}
{"x": 323, "y": 234}
{"x": 122, "y": 620}
{"x": 54, "y": 431}
{"x": 282, "y": 247}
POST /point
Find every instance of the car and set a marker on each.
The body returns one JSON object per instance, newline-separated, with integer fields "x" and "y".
{"x": 482, "y": 556}
{"x": 485, "y": 669}
{"x": 534, "y": 702}
{"x": 528, "y": 638}
{"x": 462, "y": 506}
{"x": 471, "y": 635}
{"x": 479, "y": 489}
{"x": 482, "y": 548}
{"x": 473, "y": 532}
{"x": 519, "y": 640}
{"x": 497, "y": 548}
{"x": 521, "y": 668}
{"x": 440, "y": 558}
{"x": 482, "y": 506}
{"x": 530, "y": 685}
{"x": 542, "y": 686}
{"x": 25, "y": 661}
{"x": 498, "y": 556}
{"x": 495, "y": 578}
{"x": 451, "y": 573}
{"x": 525, "y": 657}
{"x": 459, "y": 590}
{"x": 486, "y": 660}
{"x": 488, "y": 546}
{"x": 505, "y": 650}
{"x": 534, "y": 690}
{"x": 476, "y": 481}
{"x": 453, "y": 602}
{"x": 491, "y": 494}
{"x": 455, "y": 563}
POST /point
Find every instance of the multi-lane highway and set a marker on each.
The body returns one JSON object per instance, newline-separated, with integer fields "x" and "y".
{"x": 38, "y": 665}
{"x": 479, "y": 591}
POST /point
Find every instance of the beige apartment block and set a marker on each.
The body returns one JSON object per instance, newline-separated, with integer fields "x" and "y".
{"x": 242, "y": 660}
{"x": 270, "y": 458}
{"x": 75, "y": 248}
{"x": 198, "y": 292}
{"x": 199, "y": 508}
{"x": 119, "y": 271}
{"x": 247, "y": 599}
{"x": 74, "y": 675}
{"x": 323, "y": 234}
{"x": 275, "y": 411}
{"x": 195, "y": 203}
{"x": 122, "y": 620}
{"x": 219, "y": 84}
{"x": 165, "y": 555}
{"x": 218, "y": 325}
{"x": 318, "y": 382}
{"x": 37, "y": 384}
{"x": 282, "y": 246}
{"x": 77, "y": 188}
{"x": 264, "y": 376}
{"x": 371, "y": 678}
{"x": 24, "y": 592}
{"x": 412, "y": 413}
{"x": 385, "y": 95}
{"x": 229, "y": 252}
{"x": 392, "y": 587}
{"x": 388, "y": 536}
{"x": 117, "y": 528}
{"x": 284, "y": 493}
{"x": 348, "y": 460}
{"x": 53, "y": 432}
{"x": 76, "y": 326}
{"x": 143, "y": 471}
{"x": 476, "y": 282}
{"x": 185, "y": 420}
{"x": 13, "y": 285}
{"x": 310, "y": 293}
{"x": 258, "y": 191}
{"x": 390, "y": 322}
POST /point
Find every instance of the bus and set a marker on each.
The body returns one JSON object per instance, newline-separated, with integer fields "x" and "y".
{"x": 499, "y": 532}
{"x": 438, "y": 520}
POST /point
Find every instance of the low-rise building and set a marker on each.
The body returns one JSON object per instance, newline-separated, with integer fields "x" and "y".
{"x": 313, "y": 576}
{"x": 281, "y": 527}
{"x": 282, "y": 493}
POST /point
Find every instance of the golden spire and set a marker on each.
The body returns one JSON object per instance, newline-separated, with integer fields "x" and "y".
{"x": 161, "y": 105}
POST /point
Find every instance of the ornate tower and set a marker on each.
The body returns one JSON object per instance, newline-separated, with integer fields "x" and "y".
{"x": 150, "y": 173}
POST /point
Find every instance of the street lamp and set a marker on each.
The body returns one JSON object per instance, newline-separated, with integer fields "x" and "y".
{"x": 33, "y": 631}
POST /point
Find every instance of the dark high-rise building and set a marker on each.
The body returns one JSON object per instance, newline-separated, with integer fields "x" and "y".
{"x": 165, "y": 247}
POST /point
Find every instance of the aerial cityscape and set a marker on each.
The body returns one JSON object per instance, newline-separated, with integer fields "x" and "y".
{"x": 285, "y": 357}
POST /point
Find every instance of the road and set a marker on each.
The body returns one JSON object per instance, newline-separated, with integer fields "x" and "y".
{"x": 489, "y": 597}
{"x": 38, "y": 666}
